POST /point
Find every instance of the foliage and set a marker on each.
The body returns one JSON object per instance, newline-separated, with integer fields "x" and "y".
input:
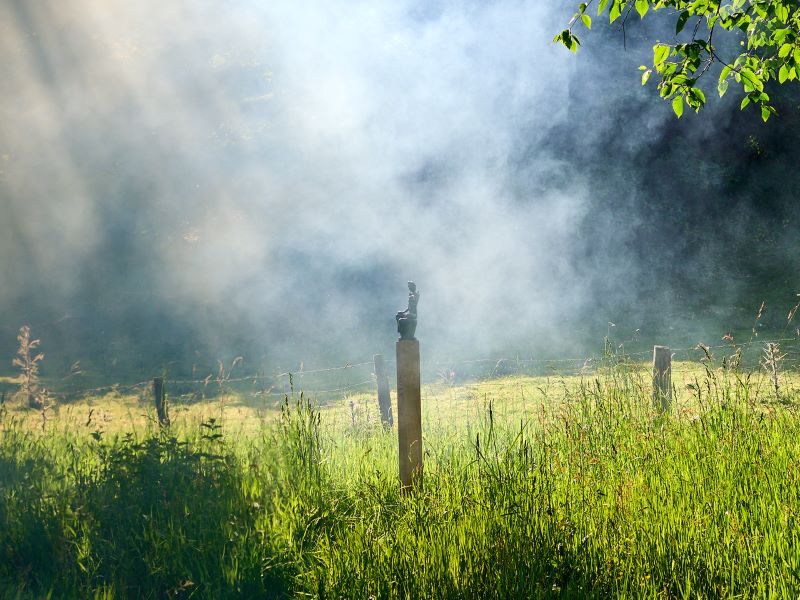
{"x": 588, "y": 494}
{"x": 130, "y": 518}
{"x": 769, "y": 52}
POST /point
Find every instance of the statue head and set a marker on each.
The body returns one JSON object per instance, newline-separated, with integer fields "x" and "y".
{"x": 412, "y": 287}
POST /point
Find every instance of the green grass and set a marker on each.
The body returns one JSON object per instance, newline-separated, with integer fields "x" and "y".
{"x": 533, "y": 487}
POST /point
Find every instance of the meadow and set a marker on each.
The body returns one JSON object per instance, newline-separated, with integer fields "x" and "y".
{"x": 535, "y": 485}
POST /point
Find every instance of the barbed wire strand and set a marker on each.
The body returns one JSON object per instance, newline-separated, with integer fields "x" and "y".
{"x": 588, "y": 363}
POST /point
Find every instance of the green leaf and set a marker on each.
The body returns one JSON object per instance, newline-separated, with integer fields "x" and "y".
{"x": 660, "y": 54}
{"x": 601, "y": 7}
{"x": 646, "y": 76}
{"x": 751, "y": 80}
{"x": 765, "y": 113}
{"x": 745, "y": 102}
{"x": 785, "y": 50}
{"x": 699, "y": 95}
{"x": 677, "y": 105}
{"x": 783, "y": 74}
{"x": 797, "y": 56}
{"x": 587, "y": 20}
{"x": 726, "y": 70}
{"x": 642, "y": 6}
{"x": 780, "y": 34}
{"x": 684, "y": 16}
{"x": 722, "y": 87}
{"x": 615, "y": 12}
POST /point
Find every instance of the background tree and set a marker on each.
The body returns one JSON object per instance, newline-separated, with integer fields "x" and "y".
{"x": 769, "y": 47}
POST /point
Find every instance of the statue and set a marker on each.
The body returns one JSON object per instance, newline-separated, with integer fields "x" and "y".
{"x": 407, "y": 319}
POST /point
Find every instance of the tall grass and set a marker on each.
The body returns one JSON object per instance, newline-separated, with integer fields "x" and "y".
{"x": 589, "y": 494}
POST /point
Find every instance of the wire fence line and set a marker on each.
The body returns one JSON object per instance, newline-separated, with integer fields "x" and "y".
{"x": 143, "y": 386}
{"x": 643, "y": 353}
{"x": 498, "y": 366}
{"x": 264, "y": 377}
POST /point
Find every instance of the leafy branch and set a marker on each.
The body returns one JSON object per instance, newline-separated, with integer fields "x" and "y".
{"x": 771, "y": 46}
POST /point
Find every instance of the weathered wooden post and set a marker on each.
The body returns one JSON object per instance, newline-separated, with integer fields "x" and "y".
{"x": 409, "y": 412}
{"x": 662, "y": 378}
{"x": 160, "y": 397}
{"x": 384, "y": 400}
{"x": 409, "y": 397}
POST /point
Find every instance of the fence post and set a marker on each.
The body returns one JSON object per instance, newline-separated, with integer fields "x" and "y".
{"x": 160, "y": 397}
{"x": 409, "y": 413}
{"x": 384, "y": 400}
{"x": 662, "y": 378}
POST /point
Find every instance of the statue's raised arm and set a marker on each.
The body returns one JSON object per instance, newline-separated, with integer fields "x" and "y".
{"x": 407, "y": 319}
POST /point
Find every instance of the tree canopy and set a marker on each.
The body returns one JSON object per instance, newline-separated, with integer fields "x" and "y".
{"x": 769, "y": 48}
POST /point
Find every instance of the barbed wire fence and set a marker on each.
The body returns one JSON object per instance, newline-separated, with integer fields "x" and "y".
{"x": 329, "y": 382}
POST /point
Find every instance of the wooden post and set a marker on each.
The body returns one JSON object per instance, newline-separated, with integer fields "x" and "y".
{"x": 384, "y": 401}
{"x": 160, "y": 397}
{"x": 662, "y": 378}
{"x": 409, "y": 414}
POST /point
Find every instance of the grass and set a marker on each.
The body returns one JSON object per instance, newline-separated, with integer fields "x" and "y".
{"x": 534, "y": 487}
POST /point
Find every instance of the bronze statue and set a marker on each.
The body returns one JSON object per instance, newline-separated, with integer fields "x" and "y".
{"x": 407, "y": 319}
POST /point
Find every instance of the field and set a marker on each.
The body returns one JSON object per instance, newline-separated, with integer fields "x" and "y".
{"x": 534, "y": 486}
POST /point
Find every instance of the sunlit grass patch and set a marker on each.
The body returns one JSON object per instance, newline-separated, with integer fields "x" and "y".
{"x": 534, "y": 486}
